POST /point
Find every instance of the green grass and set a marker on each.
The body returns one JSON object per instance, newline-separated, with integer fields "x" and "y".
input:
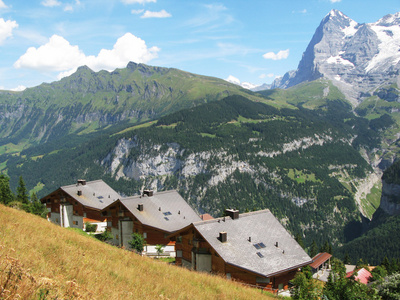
{"x": 148, "y": 124}
{"x": 301, "y": 177}
{"x": 203, "y": 134}
{"x": 37, "y": 188}
{"x": 372, "y": 200}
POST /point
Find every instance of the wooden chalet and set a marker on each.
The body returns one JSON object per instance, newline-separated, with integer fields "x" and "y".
{"x": 153, "y": 215}
{"x": 253, "y": 248}
{"x": 73, "y": 205}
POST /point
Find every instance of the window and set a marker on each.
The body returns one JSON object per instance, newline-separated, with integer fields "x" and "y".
{"x": 260, "y": 255}
{"x": 262, "y": 280}
{"x": 116, "y": 236}
{"x": 280, "y": 286}
{"x": 178, "y": 253}
{"x": 228, "y": 276}
{"x": 145, "y": 235}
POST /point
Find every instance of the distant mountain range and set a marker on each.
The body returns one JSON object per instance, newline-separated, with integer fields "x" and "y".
{"x": 357, "y": 58}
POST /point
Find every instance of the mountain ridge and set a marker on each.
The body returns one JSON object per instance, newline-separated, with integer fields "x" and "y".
{"x": 357, "y": 58}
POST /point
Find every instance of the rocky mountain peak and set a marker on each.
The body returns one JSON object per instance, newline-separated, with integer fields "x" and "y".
{"x": 357, "y": 58}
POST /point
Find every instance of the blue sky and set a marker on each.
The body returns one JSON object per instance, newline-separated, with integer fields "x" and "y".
{"x": 248, "y": 41}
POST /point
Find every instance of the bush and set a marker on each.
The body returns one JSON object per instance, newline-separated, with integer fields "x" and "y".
{"x": 104, "y": 236}
{"x": 90, "y": 227}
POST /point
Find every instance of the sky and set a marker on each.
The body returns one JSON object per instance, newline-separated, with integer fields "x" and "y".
{"x": 251, "y": 41}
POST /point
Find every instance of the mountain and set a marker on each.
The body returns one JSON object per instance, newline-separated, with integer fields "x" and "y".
{"x": 303, "y": 164}
{"x": 87, "y": 101}
{"x": 357, "y": 58}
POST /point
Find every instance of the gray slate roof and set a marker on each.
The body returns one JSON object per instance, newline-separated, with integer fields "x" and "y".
{"x": 96, "y": 194}
{"x": 262, "y": 227}
{"x": 175, "y": 213}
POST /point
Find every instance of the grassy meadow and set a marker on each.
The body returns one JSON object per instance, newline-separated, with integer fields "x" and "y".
{"x": 39, "y": 260}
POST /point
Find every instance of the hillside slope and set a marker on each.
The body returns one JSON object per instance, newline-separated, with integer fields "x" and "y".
{"x": 87, "y": 101}
{"x": 38, "y": 258}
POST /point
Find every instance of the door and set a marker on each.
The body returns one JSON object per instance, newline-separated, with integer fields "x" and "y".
{"x": 126, "y": 232}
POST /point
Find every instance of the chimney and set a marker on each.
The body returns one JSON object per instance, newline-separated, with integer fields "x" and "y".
{"x": 81, "y": 182}
{"x": 148, "y": 193}
{"x": 276, "y": 244}
{"x": 79, "y": 193}
{"x": 140, "y": 207}
{"x": 233, "y": 213}
{"x": 223, "y": 236}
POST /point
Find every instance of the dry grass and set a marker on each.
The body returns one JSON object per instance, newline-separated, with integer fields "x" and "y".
{"x": 39, "y": 260}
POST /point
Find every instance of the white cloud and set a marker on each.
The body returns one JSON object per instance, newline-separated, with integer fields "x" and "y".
{"x": 6, "y": 28}
{"x": 19, "y": 88}
{"x": 137, "y": 11}
{"x": 138, "y": 1}
{"x": 156, "y": 14}
{"x": 51, "y": 3}
{"x": 58, "y": 55}
{"x": 2, "y": 5}
{"x": 233, "y": 79}
{"x": 68, "y": 7}
{"x": 334, "y": 1}
{"x": 283, "y": 54}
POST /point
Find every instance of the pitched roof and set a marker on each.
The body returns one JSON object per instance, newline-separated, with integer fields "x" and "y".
{"x": 362, "y": 275}
{"x": 167, "y": 210}
{"x": 96, "y": 194}
{"x": 262, "y": 255}
{"x": 319, "y": 259}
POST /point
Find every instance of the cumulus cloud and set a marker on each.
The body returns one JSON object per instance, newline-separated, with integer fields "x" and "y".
{"x": 19, "y": 88}
{"x": 6, "y": 28}
{"x": 233, "y": 79}
{"x": 2, "y": 5}
{"x": 138, "y": 1}
{"x": 283, "y": 54}
{"x": 334, "y": 1}
{"x": 58, "y": 55}
{"x": 51, "y": 3}
{"x": 156, "y": 14}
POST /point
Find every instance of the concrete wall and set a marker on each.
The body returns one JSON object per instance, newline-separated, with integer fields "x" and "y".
{"x": 55, "y": 218}
{"x": 203, "y": 262}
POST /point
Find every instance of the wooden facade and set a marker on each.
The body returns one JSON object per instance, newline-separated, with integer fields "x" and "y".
{"x": 190, "y": 245}
{"x": 117, "y": 214}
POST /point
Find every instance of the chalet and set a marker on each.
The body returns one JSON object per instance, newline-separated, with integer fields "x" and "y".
{"x": 321, "y": 265}
{"x": 73, "y": 205}
{"x": 252, "y": 248}
{"x": 153, "y": 215}
{"x": 362, "y": 275}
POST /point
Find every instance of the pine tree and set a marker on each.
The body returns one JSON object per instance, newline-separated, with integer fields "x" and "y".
{"x": 22, "y": 193}
{"x": 313, "y": 249}
{"x": 6, "y": 195}
{"x": 36, "y": 207}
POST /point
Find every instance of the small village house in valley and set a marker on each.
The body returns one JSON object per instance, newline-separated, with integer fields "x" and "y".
{"x": 153, "y": 215}
{"x": 253, "y": 248}
{"x": 73, "y": 205}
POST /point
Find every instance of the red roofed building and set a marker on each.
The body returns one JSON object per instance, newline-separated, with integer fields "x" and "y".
{"x": 361, "y": 276}
{"x": 320, "y": 261}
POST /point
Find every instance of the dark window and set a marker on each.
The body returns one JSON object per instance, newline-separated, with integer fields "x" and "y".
{"x": 260, "y": 255}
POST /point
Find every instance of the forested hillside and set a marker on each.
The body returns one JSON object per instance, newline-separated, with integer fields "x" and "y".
{"x": 301, "y": 164}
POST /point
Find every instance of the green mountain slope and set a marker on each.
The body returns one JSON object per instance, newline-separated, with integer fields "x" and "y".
{"x": 88, "y": 101}
{"x": 301, "y": 164}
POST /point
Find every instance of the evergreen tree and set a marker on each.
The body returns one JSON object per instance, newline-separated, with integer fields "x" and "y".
{"x": 36, "y": 207}
{"x": 22, "y": 193}
{"x": 6, "y": 195}
{"x": 313, "y": 249}
{"x": 299, "y": 240}
{"x": 137, "y": 242}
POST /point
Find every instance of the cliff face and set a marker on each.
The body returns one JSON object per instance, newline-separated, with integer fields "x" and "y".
{"x": 357, "y": 58}
{"x": 390, "y": 201}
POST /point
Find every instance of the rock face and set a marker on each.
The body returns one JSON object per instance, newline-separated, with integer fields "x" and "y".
{"x": 390, "y": 201}
{"x": 356, "y": 57}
